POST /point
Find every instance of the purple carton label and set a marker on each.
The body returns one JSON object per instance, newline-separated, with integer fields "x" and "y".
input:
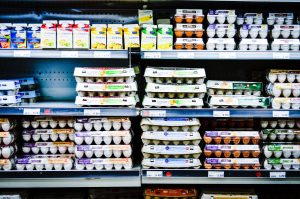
{"x": 212, "y": 160}
{"x": 211, "y": 147}
{"x": 84, "y": 161}
{"x": 83, "y": 147}
{"x": 211, "y": 133}
{"x": 22, "y": 161}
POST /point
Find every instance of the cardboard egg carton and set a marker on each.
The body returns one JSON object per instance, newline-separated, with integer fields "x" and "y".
{"x": 277, "y": 150}
{"x": 286, "y": 103}
{"x": 189, "y": 16}
{"x": 280, "y": 134}
{"x": 99, "y": 151}
{"x": 282, "y": 76}
{"x": 102, "y": 123}
{"x": 170, "y": 137}
{"x": 166, "y": 124}
{"x": 106, "y": 101}
{"x": 103, "y": 163}
{"x": 284, "y": 89}
{"x": 282, "y": 163}
{"x": 232, "y": 163}
{"x": 236, "y": 151}
{"x": 48, "y": 148}
{"x": 172, "y": 163}
{"x": 166, "y": 151}
{"x": 235, "y": 137}
{"x": 234, "y": 101}
{"x": 189, "y": 30}
{"x": 48, "y": 122}
{"x": 10, "y": 100}
{"x": 48, "y": 135}
{"x": 149, "y": 102}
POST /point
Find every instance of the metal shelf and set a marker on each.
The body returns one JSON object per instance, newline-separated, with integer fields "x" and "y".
{"x": 221, "y": 55}
{"x": 202, "y": 176}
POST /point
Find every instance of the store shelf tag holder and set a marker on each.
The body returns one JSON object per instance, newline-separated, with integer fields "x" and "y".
{"x": 227, "y": 55}
{"x": 277, "y": 175}
{"x": 31, "y": 111}
{"x": 281, "y": 55}
{"x": 221, "y": 113}
{"x": 154, "y": 174}
{"x": 22, "y": 53}
{"x": 91, "y": 112}
{"x": 281, "y": 114}
{"x": 215, "y": 174}
{"x": 152, "y": 55}
{"x": 155, "y": 113}
{"x": 185, "y": 55}
{"x": 69, "y": 54}
{"x": 102, "y": 54}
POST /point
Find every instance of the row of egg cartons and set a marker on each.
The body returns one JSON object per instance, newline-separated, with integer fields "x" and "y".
{"x": 228, "y": 124}
{"x": 105, "y": 86}
{"x": 171, "y": 142}
{"x": 163, "y": 193}
{"x": 29, "y": 90}
{"x": 176, "y": 87}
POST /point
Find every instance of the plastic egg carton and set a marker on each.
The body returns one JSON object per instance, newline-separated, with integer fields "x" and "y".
{"x": 221, "y": 30}
{"x": 235, "y": 137}
{"x": 13, "y": 100}
{"x": 216, "y": 87}
{"x": 100, "y": 137}
{"x": 171, "y": 137}
{"x": 156, "y": 193}
{"x": 250, "y": 18}
{"x": 281, "y": 123}
{"x": 291, "y": 76}
{"x": 235, "y": 101}
{"x": 45, "y": 162}
{"x": 286, "y": 103}
{"x": 254, "y": 31}
{"x": 106, "y": 101}
{"x": 254, "y": 44}
{"x": 172, "y": 103}
{"x": 9, "y": 87}
{"x": 229, "y": 124}
{"x": 167, "y": 151}
{"x": 280, "y": 134}
{"x": 7, "y": 138}
{"x": 170, "y": 124}
{"x": 282, "y": 163}
{"x": 7, "y": 124}
{"x": 189, "y": 30}
{"x": 278, "y": 150}
{"x": 104, "y": 74}
{"x": 48, "y": 135}
{"x": 48, "y": 122}
{"x": 285, "y": 45}
{"x": 99, "y": 151}
{"x": 284, "y": 89}
{"x": 102, "y": 123}
{"x": 48, "y": 148}
{"x": 280, "y": 18}
{"x": 29, "y": 96}
{"x": 8, "y": 151}
{"x": 174, "y": 75}
{"x": 220, "y": 44}
{"x": 285, "y": 31}
{"x": 7, "y": 164}
{"x": 232, "y": 163}
{"x": 221, "y": 16}
{"x": 236, "y": 151}
{"x": 189, "y": 44}
{"x": 228, "y": 195}
{"x": 28, "y": 83}
{"x": 189, "y": 16}
{"x": 103, "y": 163}
{"x": 172, "y": 163}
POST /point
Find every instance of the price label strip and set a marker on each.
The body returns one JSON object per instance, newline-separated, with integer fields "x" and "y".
{"x": 215, "y": 174}
{"x": 154, "y": 174}
{"x": 91, "y": 112}
{"x": 69, "y": 54}
{"x": 152, "y": 55}
{"x": 221, "y": 113}
{"x": 281, "y": 55}
{"x": 102, "y": 54}
{"x": 277, "y": 175}
{"x": 155, "y": 113}
{"x": 32, "y": 111}
{"x": 227, "y": 55}
{"x": 185, "y": 55}
{"x": 22, "y": 53}
{"x": 281, "y": 114}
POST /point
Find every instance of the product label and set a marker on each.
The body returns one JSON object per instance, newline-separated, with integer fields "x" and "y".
{"x": 104, "y": 72}
{"x": 164, "y": 72}
{"x": 106, "y": 87}
{"x": 172, "y": 102}
{"x": 232, "y": 147}
{"x": 241, "y": 161}
{"x": 98, "y": 36}
{"x": 283, "y": 147}
{"x": 171, "y": 149}
{"x": 232, "y": 134}
{"x": 115, "y": 36}
{"x": 101, "y": 133}
{"x": 102, "y": 147}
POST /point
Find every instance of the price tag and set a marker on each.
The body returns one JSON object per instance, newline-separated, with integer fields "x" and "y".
{"x": 152, "y": 55}
{"x": 281, "y": 114}
{"x": 281, "y": 55}
{"x": 227, "y": 55}
{"x": 31, "y": 111}
{"x": 69, "y": 54}
{"x": 185, "y": 55}
{"x": 155, "y": 113}
{"x": 91, "y": 112}
{"x": 221, "y": 113}
{"x": 277, "y": 175}
{"x": 102, "y": 54}
{"x": 22, "y": 53}
{"x": 154, "y": 174}
{"x": 215, "y": 174}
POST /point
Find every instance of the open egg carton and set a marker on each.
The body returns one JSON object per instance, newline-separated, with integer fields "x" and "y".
{"x": 103, "y": 163}
{"x": 280, "y": 135}
{"x": 253, "y": 44}
{"x": 281, "y": 163}
{"x": 280, "y": 19}
{"x": 283, "y": 76}
{"x": 283, "y": 89}
{"x": 221, "y": 30}
{"x": 218, "y": 101}
{"x": 250, "y": 19}
{"x": 98, "y": 151}
{"x": 29, "y": 91}
{"x": 171, "y": 163}
{"x": 99, "y": 123}
{"x": 232, "y": 163}
{"x": 220, "y": 44}
{"x": 234, "y": 151}
{"x": 285, "y": 31}
{"x": 48, "y": 148}
{"x": 253, "y": 31}
{"x": 189, "y": 44}
{"x": 157, "y": 193}
{"x": 9, "y": 93}
{"x": 285, "y": 45}
{"x": 221, "y": 16}
{"x": 54, "y": 135}
{"x": 234, "y": 137}
{"x": 281, "y": 149}
{"x": 281, "y": 123}
{"x": 47, "y": 122}
{"x": 189, "y": 30}
{"x": 189, "y": 16}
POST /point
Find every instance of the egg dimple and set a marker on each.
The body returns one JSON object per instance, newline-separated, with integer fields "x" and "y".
{"x": 88, "y": 126}
{"x": 88, "y": 140}
{"x": 98, "y": 153}
{"x": 58, "y": 166}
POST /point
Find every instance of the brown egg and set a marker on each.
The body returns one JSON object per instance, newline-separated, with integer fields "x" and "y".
{"x": 189, "y": 33}
{"x": 178, "y": 18}
{"x": 246, "y": 140}
{"x": 236, "y": 140}
{"x": 199, "y": 33}
{"x": 255, "y": 154}
{"x": 246, "y": 167}
{"x": 178, "y": 33}
{"x": 218, "y": 166}
{"x": 231, "y": 123}
{"x": 218, "y": 154}
{"x": 217, "y": 140}
{"x": 189, "y": 19}
{"x": 227, "y": 166}
{"x": 207, "y": 140}
{"x": 256, "y": 166}
{"x": 189, "y": 46}
{"x": 246, "y": 154}
{"x": 207, "y": 166}
{"x": 207, "y": 153}
{"x": 255, "y": 140}
{"x": 236, "y": 154}
{"x": 178, "y": 46}
{"x": 227, "y": 154}
{"x": 199, "y": 46}
{"x": 236, "y": 166}
{"x": 199, "y": 19}
{"x": 227, "y": 140}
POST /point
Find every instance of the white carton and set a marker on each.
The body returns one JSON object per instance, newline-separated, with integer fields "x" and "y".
{"x": 165, "y": 37}
{"x": 81, "y": 34}
{"x": 65, "y": 34}
{"x": 98, "y": 36}
{"x": 114, "y": 36}
{"x": 148, "y": 39}
{"x": 131, "y": 36}
{"x": 48, "y": 34}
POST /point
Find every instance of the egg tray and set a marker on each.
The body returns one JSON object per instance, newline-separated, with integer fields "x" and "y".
{"x": 103, "y": 164}
{"x": 155, "y": 193}
{"x": 282, "y": 76}
{"x": 172, "y": 103}
{"x": 99, "y": 123}
{"x": 286, "y": 103}
{"x": 229, "y": 195}
{"x": 167, "y": 151}
{"x": 277, "y": 150}
{"x": 253, "y": 44}
{"x": 189, "y": 16}
{"x": 254, "y": 31}
{"x": 48, "y": 148}
{"x": 29, "y": 96}
{"x": 7, "y": 124}
{"x": 281, "y": 123}
{"x": 7, "y": 164}
{"x": 48, "y": 134}
{"x": 170, "y": 124}
{"x": 221, "y": 16}
{"x": 242, "y": 86}
{"x": 220, "y": 44}
{"x": 103, "y": 137}
{"x": 189, "y": 44}
{"x": 284, "y": 89}
{"x": 282, "y": 163}
{"x": 173, "y": 95}
{"x": 175, "y": 90}
{"x": 105, "y": 79}
{"x": 280, "y": 18}
{"x": 171, "y": 163}
{"x": 103, "y": 72}
{"x": 170, "y": 137}
{"x": 14, "y": 100}
{"x": 48, "y": 122}
{"x": 232, "y": 163}
{"x": 234, "y": 137}
{"x": 235, "y": 101}
{"x": 8, "y": 151}
{"x": 189, "y": 30}
{"x": 285, "y": 31}
{"x": 175, "y": 80}
{"x": 98, "y": 151}
{"x": 280, "y": 134}
{"x": 233, "y": 92}
{"x": 285, "y": 45}
{"x": 228, "y": 123}
{"x": 250, "y": 18}
{"x": 106, "y": 94}
{"x": 106, "y": 101}
{"x": 221, "y": 31}
{"x": 235, "y": 151}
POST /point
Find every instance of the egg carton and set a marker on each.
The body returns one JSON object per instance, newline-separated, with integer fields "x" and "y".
{"x": 156, "y": 193}
{"x": 189, "y": 44}
{"x": 106, "y": 94}
{"x": 99, "y": 151}
{"x": 286, "y": 103}
{"x": 45, "y": 162}
{"x": 170, "y": 137}
{"x": 175, "y": 75}
{"x": 48, "y": 147}
{"x": 291, "y": 76}
{"x": 189, "y": 30}
{"x": 221, "y": 16}
{"x": 189, "y": 16}
{"x": 8, "y": 151}
{"x": 7, "y": 124}
{"x": 13, "y": 100}
{"x": 7, "y": 164}
{"x": 48, "y": 134}
{"x": 27, "y": 83}
{"x": 172, "y": 103}
{"x": 284, "y": 89}
{"x": 234, "y": 101}
{"x": 106, "y": 101}
{"x": 221, "y": 30}
{"x": 285, "y": 45}
{"x": 285, "y": 31}
{"x": 233, "y": 92}
{"x": 170, "y": 124}
{"x": 280, "y": 134}
{"x": 101, "y": 123}
{"x": 232, "y": 163}
{"x": 48, "y": 122}
{"x": 220, "y": 44}
{"x": 250, "y": 18}
{"x": 100, "y": 137}
{"x": 4, "y": 93}
{"x": 29, "y": 96}
{"x": 226, "y": 123}
{"x": 282, "y": 163}
{"x": 167, "y": 151}
{"x": 280, "y": 18}
{"x": 7, "y": 138}
{"x": 172, "y": 95}
{"x": 104, "y": 163}
{"x": 254, "y": 44}
{"x": 278, "y": 150}
{"x": 236, "y": 151}
{"x": 172, "y": 163}
{"x": 105, "y": 79}
{"x": 9, "y": 87}
{"x": 282, "y": 123}
{"x": 235, "y": 137}
{"x": 254, "y": 31}
{"x": 228, "y": 196}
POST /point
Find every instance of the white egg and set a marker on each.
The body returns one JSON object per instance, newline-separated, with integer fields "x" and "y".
{"x": 117, "y": 139}
{"x": 98, "y": 140}
{"x": 238, "y": 92}
{"x": 277, "y": 166}
{"x": 298, "y": 124}
{"x": 127, "y": 153}
{"x": 298, "y": 78}
{"x": 296, "y": 166}
{"x": 118, "y": 166}
{"x": 276, "y": 92}
{"x": 20, "y": 167}
{"x": 25, "y": 149}
{"x": 287, "y": 166}
{"x": 71, "y": 137}
{"x": 108, "y": 166}
{"x": 273, "y": 124}
{"x": 25, "y": 124}
{"x": 165, "y": 128}
{"x": 35, "y": 150}
{"x": 53, "y": 149}
{"x": 6, "y": 152}
{"x": 62, "y": 149}
{"x": 116, "y": 125}
{"x": 281, "y": 137}
{"x": 267, "y": 165}
{"x": 229, "y": 92}
{"x": 54, "y": 137}
{"x": 62, "y": 124}
{"x": 70, "y": 123}
{"x": 71, "y": 149}
{"x": 79, "y": 167}
{"x": 128, "y": 165}
{"x": 108, "y": 153}
{"x": 45, "y": 137}
{"x": 296, "y": 106}
{"x": 88, "y": 140}
{"x": 287, "y": 154}
{"x": 107, "y": 139}
{"x": 6, "y": 126}
{"x": 79, "y": 154}
{"x": 127, "y": 139}
{"x": 62, "y": 136}
{"x": 298, "y": 136}
{"x": 88, "y": 126}
{"x": 53, "y": 124}
{"x": 78, "y": 140}
{"x": 89, "y": 166}
{"x": 277, "y": 154}
{"x": 98, "y": 153}
{"x": 44, "y": 124}
{"x": 44, "y": 150}
{"x": 185, "y": 128}
{"x": 29, "y": 167}
{"x": 291, "y": 78}
{"x": 39, "y": 167}
{"x": 89, "y": 154}
{"x": 272, "y": 77}
{"x": 58, "y": 166}
{"x": 272, "y": 136}
{"x": 290, "y": 137}
{"x": 282, "y": 123}
{"x": 68, "y": 166}
{"x": 7, "y": 140}
{"x": 36, "y": 137}
{"x": 286, "y": 105}
{"x": 117, "y": 153}
{"x": 154, "y": 128}
{"x": 99, "y": 166}
{"x": 35, "y": 124}
{"x": 296, "y": 154}
{"x": 281, "y": 78}
{"x": 98, "y": 125}
{"x": 287, "y": 92}
{"x": 107, "y": 125}
{"x": 264, "y": 124}
{"x": 49, "y": 166}
{"x": 296, "y": 92}
{"x": 291, "y": 124}
{"x": 267, "y": 153}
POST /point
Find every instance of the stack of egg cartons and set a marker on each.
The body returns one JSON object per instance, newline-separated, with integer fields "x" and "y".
{"x": 281, "y": 143}
{"x": 284, "y": 86}
{"x": 9, "y": 92}
{"x": 28, "y": 92}
{"x": 236, "y": 94}
{"x": 8, "y": 147}
{"x": 221, "y": 30}
{"x": 105, "y": 86}
{"x": 231, "y": 144}
{"x": 103, "y": 143}
{"x": 47, "y": 144}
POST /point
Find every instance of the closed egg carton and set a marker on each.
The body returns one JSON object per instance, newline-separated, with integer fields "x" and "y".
{"x": 234, "y": 137}
{"x": 29, "y": 96}
{"x": 175, "y": 80}
{"x": 221, "y": 16}
{"x": 48, "y": 148}
{"x": 9, "y": 87}
{"x": 7, "y": 164}
{"x": 172, "y": 163}
{"x": 189, "y": 30}
{"x": 167, "y": 151}
{"x": 173, "y": 95}
{"x": 105, "y": 79}
{"x": 286, "y": 150}
{"x": 254, "y": 31}
{"x": 10, "y": 100}
{"x": 189, "y": 16}
{"x": 282, "y": 163}
{"x": 48, "y": 122}
{"x": 189, "y": 44}
{"x": 232, "y": 163}
{"x": 280, "y": 123}
{"x": 105, "y": 94}
{"x": 102, "y": 123}
{"x": 149, "y": 102}
{"x": 8, "y": 137}
{"x": 103, "y": 164}
{"x": 234, "y": 101}
{"x": 151, "y": 193}
{"x": 28, "y": 83}
{"x": 285, "y": 31}
{"x": 170, "y": 124}
{"x": 8, "y": 151}
{"x": 227, "y": 123}
{"x": 250, "y": 19}
{"x": 253, "y": 44}
{"x": 235, "y": 151}
{"x": 99, "y": 151}
{"x": 284, "y": 89}
{"x": 285, "y": 45}
{"x": 220, "y": 44}
{"x": 286, "y": 103}
{"x": 171, "y": 137}
{"x": 280, "y": 18}
{"x": 48, "y": 135}
{"x": 280, "y": 134}
{"x": 221, "y": 31}
{"x": 106, "y": 101}
{"x": 282, "y": 76}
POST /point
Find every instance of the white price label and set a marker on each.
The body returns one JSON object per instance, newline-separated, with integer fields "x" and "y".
{"x": 215, "y": 174}
{"x": 221, "y": 113}
{"x": 31, "y": 111}
{"x": 154, "y": 174}
{"x": 185, "y": 55}
{"x": 281, "y": 55}
{"x": 22, "y": 53}
{"x": 69, "y": 54}
{"x": 281, "y": 114}
{"x": 155, "y": 113}
{"x": 102, "y": 54}
{"x": 91, "y": 112}
{"x": 277, "y": 175}
{"x": 227, "y": 55}
{"x": 152, "y": 55}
